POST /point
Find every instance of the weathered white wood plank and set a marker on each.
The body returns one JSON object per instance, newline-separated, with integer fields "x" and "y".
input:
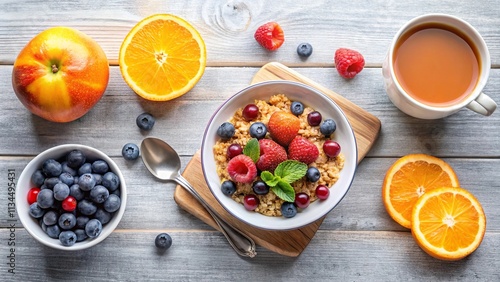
{"x": 150, "y": 202}
{"x": 114, "y": 117}
{"x": 331, "y": 256}
{"x": 228, "y": 26}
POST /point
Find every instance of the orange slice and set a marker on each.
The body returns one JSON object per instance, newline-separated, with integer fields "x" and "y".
{"x": 409, "y": 178}
{"x": 448, "y": 223}
{"x": 162, "y": 57}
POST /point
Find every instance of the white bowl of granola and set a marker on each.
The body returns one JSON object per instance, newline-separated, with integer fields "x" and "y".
{"x": 245, "y": 169}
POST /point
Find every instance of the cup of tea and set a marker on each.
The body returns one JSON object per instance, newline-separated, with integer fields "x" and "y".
{"x": 438, "y": 64}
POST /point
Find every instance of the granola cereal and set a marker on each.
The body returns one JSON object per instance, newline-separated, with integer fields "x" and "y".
{"x": 270, "y": 204}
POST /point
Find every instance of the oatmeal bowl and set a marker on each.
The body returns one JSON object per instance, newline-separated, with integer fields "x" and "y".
{"x": 279, "y": 155}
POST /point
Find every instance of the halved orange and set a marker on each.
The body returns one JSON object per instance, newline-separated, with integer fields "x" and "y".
{"x": 409, "y": 178}
{"x": 448, "y": 223}
{"x": 162, "y": 57}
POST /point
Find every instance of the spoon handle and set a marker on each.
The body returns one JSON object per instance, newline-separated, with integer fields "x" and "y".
{"x": 241, "y": 243}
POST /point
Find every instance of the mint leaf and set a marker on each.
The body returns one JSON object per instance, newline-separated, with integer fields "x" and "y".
{"x": 284, "y": 191}
{"x": 252, "y": 149}
{"x": 269, "y": 178}
{"x": 291, "y": 171}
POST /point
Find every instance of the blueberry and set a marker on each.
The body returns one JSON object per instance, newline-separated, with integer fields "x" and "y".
{"x": 43, "y": 226}
{"x": 260, "y": 187}
{"x": 258, "y": 130}
{"x": 86, "y": 181}
{"x": 98, "y": 178}
{"x": 111, "y": 181}
{"x": 36, "y": 211}
{"x": 51, "y": 168}
{"x": 43, "y": 187}
{"x": 50, "y": 218}
{"x": 80, "y": 235}
{"x": 81, "y": 221}
{"x": 288, "y": 209}
{"x": 228, "y": 188}
{"x": 67, "y": 178}
{"x": 304, "y": 50}
{"x": 313, "y": 174}
{"x": 93, "y": 228}
{"x": 85, "y": 168}
{"x": 102, "y": 215}
{"x": 67, "y": 221}
{"x": 297, "y": 108}
{"x": 99, "y": 194}
{"x": 328, "y": 127}
{"x": 67, "y": 238}
{"x": 163, "y": 241}
{"x": 38, "y": 178}
{"x": 75, "y": 159}
{"x": 145, "y": 121}
{"x": 67, "y": 169}
{"x": 45, "y": 198}
{"x": 53, "y": 231}
{"x": 226, "y": 130}
{"x": 76, "y": 192}
{"x": 112, "y": 204}
{"x": 100, "y": 167}
{"x": 61, "y": 191}
{"x": 51, "y": 182}
{"x": 130, "y": 151}
{"x": 86, "y": 207}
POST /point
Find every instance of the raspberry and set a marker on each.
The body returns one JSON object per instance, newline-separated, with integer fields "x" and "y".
{"x": 270, "y": 36}
{"x": 283, "y": 127}
{"x": 348, "y": 62}
{"x": 242, "y": 169}
{"x": 271, "y": 155}
{"x": 302, "y": 150}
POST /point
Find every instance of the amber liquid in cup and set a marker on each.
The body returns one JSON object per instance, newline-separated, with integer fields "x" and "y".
{"x": 436, "y": 64}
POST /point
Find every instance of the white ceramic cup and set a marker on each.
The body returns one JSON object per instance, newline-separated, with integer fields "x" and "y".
{"x": 475, "y": 101}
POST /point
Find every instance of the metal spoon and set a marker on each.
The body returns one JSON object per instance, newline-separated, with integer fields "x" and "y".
{"x": 164, "y": 163}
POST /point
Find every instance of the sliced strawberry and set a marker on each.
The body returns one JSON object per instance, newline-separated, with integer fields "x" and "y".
{"x": 283, "y": 127}
{"x": 302, "y": 150}
{"x": 271, "y": 155}
{"x": 242, "y": 169}
{"x": 270, "y": 36}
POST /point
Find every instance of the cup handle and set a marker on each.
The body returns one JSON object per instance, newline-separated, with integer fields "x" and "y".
{"x": 483, "y": 104}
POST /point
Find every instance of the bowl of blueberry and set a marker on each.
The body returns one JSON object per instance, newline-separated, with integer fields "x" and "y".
{"x": 279, "y": 155}
{"x": 71, "y": 197}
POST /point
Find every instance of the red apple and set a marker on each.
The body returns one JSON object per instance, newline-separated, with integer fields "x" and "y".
{"x": 60, "y": 74}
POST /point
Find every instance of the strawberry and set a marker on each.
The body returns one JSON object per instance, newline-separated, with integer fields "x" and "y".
{"x": 271, "y": 155}
{"x": 302, "y": 150}
{"x": 283, "y": 127}
{"x": 348, "y": 62}
{"x": 242, "y": 169}
{"x": 270, "y": 36}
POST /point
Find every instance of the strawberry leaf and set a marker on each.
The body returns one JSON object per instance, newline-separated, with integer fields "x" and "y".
{"x": 284, "y": 191}
{"x": 252, "y": 149}
{"x": 291, "y": 171}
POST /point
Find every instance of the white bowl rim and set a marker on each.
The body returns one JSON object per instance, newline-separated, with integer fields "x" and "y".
{"x": 22, "y": 206}
{"x": 290, "y": 225}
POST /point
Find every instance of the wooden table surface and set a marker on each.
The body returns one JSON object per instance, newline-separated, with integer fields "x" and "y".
{"x": 357, "y": 241}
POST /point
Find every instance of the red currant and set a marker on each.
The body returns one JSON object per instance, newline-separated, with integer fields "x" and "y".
{"x": 69, "y": 204}
{"x": 250, "y": 112}
{"x": 302, "y": 200}
{"x": 32, "y": 194}
{"x": 251, "y": 202}
{"x": 322, "y": 192}
{"x": 233, "y": 150}
{"x": 331, "y": 148}
{"x": 314, "y": 118}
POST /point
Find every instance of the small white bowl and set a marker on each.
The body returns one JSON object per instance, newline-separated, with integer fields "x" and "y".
{"x": 24, "y": 184}
{"x": 309, "y": 96}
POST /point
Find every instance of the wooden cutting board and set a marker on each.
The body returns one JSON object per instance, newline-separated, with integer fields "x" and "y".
{"x": 289, "y": 243}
